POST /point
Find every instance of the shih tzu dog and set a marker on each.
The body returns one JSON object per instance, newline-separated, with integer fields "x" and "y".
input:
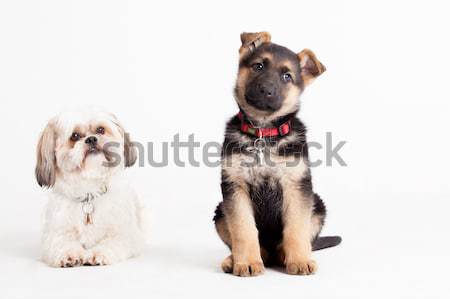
{"x": 93, "y": 217}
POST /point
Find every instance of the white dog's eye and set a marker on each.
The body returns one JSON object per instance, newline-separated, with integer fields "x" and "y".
{"x": 75, "y": 136}
{"x": 100, "y": 130}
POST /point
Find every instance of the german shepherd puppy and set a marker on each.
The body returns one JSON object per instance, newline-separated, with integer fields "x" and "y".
{"x": 269, "y": 214}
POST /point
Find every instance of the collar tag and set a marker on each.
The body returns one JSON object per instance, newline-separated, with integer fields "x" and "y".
{"x": 87, "y": 208}
{"x": 260, "y": 146}
{"x": 87, "y": 205}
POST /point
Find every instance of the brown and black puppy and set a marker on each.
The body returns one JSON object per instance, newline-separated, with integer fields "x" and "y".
{"x": 269, "y": 214}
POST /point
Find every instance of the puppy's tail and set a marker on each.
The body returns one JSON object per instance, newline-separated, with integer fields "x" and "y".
{"x": 326, "y": 242}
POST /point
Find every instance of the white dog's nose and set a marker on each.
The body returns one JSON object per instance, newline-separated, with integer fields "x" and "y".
{"x": 91, "y": 140}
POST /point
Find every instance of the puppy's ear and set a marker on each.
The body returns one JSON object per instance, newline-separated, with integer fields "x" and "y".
{"x": 310, "y": 66}
{"x": 130, "y": 153}
{"x": 251, "y": 41}
{"x": 46, "y": 158}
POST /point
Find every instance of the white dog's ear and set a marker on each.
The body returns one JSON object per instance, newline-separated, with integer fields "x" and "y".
{"x": 46, "y": 158}
{"x": 130, "y": 152}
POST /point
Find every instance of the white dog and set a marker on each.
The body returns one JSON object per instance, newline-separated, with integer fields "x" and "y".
{"x": 93, "y": 217}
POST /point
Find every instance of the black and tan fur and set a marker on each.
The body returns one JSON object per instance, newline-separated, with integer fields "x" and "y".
{"x": 269, "y": 214}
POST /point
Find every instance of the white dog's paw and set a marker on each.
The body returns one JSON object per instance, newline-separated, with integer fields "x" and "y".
{"x": 68, "y": 258}
{"x": 97, "y": 258}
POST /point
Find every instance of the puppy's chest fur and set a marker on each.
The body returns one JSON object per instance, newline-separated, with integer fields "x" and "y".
{"x": 282, "y": 168}
{"x": 267, "y": 200}
{"x": 284, "y": 159}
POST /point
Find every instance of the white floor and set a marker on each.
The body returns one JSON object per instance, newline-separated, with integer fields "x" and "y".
{"x": 395, "y": 246}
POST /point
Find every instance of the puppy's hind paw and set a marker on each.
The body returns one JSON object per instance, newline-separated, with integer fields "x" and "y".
{"x": 227, "y": 264}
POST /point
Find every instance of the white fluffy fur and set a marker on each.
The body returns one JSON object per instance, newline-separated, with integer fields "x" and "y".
{"x": 117, "y": 229}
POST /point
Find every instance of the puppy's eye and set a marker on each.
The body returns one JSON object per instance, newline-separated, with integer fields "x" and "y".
{"x": 75, "y": 136}
{"x": 100, "y": 130}
{"x": 286, "y": 77}
{"x": 257, "y": 67}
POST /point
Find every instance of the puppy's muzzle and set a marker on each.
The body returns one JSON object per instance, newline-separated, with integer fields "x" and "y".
{"x": 264, "y": 96}
{"x": 266, "y": 91}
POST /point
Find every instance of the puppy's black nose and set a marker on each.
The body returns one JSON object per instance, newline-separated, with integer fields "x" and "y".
{"x": 91, "y": 140}
{"x": 266, "y": 90}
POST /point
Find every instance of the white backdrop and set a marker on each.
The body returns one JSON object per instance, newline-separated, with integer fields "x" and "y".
{"x": 168, "y": 67}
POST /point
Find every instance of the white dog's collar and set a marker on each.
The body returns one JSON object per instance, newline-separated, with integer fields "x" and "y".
{"x": 87, "y": 207}
{"x": 92, "y": 195}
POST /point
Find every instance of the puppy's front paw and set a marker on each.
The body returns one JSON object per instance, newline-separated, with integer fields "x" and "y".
{"x": 243, "y": 269}
{"x": 248, "y": 269}
{"x": 301, "y": 267}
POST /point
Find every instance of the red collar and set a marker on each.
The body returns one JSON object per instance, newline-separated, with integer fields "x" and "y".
{"x": 248, "y": 128}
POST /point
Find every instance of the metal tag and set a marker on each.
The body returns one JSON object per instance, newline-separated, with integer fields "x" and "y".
{"x": 88, "y": 209}
{"x": 260, "y": 146}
